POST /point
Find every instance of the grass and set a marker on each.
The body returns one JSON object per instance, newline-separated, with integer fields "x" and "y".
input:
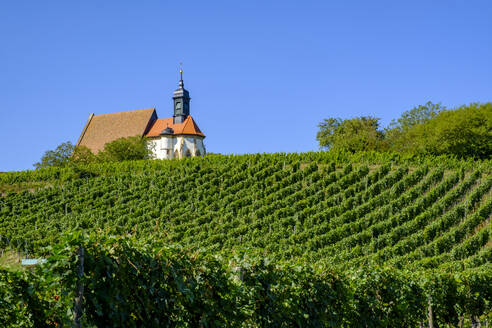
{"x": 10, "y": 260}
{"x": 23, "y": 186}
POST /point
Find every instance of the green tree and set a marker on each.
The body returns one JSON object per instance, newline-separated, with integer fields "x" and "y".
{"x": 123, "y": 149}
{"x": 417, "y": 115}
{"x": 326, "y": 134}
{"x": 464, "y": 132}
{"x": 402, "y": 134}
{"x": 82, "y": 155}
{"x": 432, "y": 129}
{"x": 357, "y": 134}
{"x": 58, "y": 157}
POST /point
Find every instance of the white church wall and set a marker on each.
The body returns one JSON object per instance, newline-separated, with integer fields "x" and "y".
{"x": 168, "y": 147}
{"x": 191, "y": 144}
{"x": 161, "y": 147}
{"x": 152, "y": 145}
{"x": 200, "y": 147}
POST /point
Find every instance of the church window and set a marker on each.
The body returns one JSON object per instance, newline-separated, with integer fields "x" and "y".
{"x": 198, "y": 153}
{"x": 176, "y": 154}
{"x": 188, "y": 153}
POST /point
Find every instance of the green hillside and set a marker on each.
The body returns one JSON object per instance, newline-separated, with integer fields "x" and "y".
{"x": 309, "y": 240}
{"x": 345, "y": 210}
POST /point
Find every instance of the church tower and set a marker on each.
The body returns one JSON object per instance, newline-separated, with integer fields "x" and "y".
{"x": 181, "y": 99}
{"x": 178, "y": 136}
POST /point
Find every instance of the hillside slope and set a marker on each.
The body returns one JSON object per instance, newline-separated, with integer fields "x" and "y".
{"x": 341, "y": 209}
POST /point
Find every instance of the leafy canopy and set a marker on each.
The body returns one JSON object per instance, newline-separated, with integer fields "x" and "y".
{"x": 417, "y": 115}
{"x": 123, "y": 149}
{"x": 58, "y": 157}
{"x": 464, "y": 132}
{"x": 403, "y": 134}
{"x": 430, "y": 129}
{"x": 357, "y": 134}
{"x": 82, "y": 155}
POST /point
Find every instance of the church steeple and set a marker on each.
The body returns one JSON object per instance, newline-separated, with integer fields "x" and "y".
{"x": 181, "y": 99}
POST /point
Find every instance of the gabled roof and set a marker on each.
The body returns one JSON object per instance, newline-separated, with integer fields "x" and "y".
{"x": 104, "y": 128}
{"x": 188, "y": 127}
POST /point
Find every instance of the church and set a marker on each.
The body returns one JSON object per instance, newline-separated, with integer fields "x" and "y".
{"x": 174, "y": 137}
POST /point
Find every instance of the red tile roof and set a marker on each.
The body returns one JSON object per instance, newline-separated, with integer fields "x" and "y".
{"x": 188, "y": 127}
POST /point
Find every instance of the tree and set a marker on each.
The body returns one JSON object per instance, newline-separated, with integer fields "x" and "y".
{"x": 425, "y": 129}
{"x": 402, "y": 134}
{"x": 82, "y": 155}
{"x": 432, "y": 129}
{"x": 326, "y": 135}
{"x": 357, "y": 134}
{"x": 132, "y": 148}
{"x": 58, "y": 157}
{"x": 464, "y": 132}
{"x": 417, "y": 115}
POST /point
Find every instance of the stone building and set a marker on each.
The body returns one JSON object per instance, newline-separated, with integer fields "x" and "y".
{"x": 174, "y": 137}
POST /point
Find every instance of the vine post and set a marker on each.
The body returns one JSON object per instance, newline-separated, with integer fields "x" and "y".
{"x": 431, "y": 320}
{"x": 80, "y": 289}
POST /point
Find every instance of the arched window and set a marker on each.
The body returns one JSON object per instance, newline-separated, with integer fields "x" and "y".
{"x": 197, "y": 153}
{"x": 188, "y": 153}
{"x": 176, "y": 154}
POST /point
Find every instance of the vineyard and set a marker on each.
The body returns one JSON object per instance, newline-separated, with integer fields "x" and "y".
{"x": 425, "y": 221}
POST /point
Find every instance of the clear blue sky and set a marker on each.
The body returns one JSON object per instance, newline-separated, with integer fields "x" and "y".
{"x": 261, "y": 74}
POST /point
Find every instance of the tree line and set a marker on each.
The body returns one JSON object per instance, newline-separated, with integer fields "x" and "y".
{"x": 429, "y": 129}
{"x": 122, "y": 149}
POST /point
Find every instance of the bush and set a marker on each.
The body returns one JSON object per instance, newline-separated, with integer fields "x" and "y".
{"x": 82, "y": 155}
{"x": 124, "y": 149}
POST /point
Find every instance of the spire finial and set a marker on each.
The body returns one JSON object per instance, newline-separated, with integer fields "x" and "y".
{"x": 181, "y": 83}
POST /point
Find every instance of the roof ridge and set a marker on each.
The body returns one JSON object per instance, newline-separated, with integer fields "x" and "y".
{"x": 84, "y": 129}
{"x": 186, "y": 121}
{"x": 128, "y": 111}
{"x": 195, "y": 125}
